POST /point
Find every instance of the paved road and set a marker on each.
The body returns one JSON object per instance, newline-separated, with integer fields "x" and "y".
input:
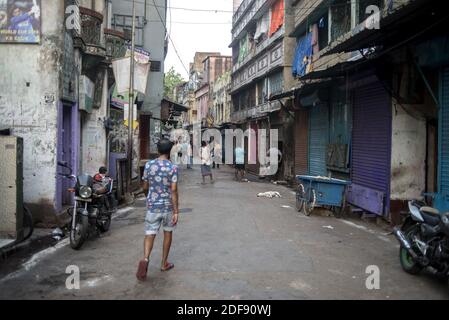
{"x": 229, "y": 245}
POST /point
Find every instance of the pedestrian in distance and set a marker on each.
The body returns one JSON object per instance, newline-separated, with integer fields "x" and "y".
{"x": 239, "y": 154}
{"x": 206, "y": 162}
{"x": 160, "y": 184}
{"x": 217, "y": 155}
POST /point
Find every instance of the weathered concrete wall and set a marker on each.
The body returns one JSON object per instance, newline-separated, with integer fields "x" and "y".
{"x": 408, "y": 155}
{"x": 154, "y": 42}
{"x": 94, "y": 139}
{"x": 29, "y": 95}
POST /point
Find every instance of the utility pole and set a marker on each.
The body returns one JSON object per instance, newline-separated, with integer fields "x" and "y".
{"x": 131, "y": 101}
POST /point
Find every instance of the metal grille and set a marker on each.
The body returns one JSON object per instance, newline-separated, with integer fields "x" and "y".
{"x": 155, "y": 66}
{"x": 318, "y": 139}
{"x": 301, "y": 142}
{"x": 371, "y": 148}
{"x": 444, "y": 137}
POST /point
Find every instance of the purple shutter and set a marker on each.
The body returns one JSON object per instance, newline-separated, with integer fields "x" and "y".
{"x": 371, "y": 149}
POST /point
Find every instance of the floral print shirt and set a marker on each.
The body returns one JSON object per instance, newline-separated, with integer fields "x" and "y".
{"x": 160, "y": 174}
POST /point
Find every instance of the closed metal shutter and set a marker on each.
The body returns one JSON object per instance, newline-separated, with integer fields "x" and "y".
{"x": 318, "y": 139}
{"x": 371, "y": 149}
{"x": 442, "y": 201}
{"x": 253, "y": 150}
{"x": 301, "y": 142}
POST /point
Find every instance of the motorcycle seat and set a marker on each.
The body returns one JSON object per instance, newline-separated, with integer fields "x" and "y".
{"x": 430, "y": 210}
{"x": 430, "y": 218}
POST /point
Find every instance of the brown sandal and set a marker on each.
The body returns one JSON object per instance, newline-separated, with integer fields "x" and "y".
{"x": 142, "y": 270}
{"x": 168, "y": 267}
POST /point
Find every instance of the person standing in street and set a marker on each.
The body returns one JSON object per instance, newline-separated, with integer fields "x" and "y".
{"x": 160, "y": 184}
{"x": 217, "y": 158}
{"x": 206, "y": 162}
{"x": 188, "y": 147}
{"x": 239, "y": 163}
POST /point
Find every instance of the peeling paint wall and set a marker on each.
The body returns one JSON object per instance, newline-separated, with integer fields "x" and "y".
{"x": 29, "y": 95}
{"x": 408, "y": 155}
{"x": 94, "y": 139}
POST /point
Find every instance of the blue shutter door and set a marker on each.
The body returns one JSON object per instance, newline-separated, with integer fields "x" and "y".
{"x": 371, "y": 149}
{"x": 442, "y": 199}
{"x": 318, "y": 139}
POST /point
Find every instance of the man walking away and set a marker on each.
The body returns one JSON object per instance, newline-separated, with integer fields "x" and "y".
{"x": 206, "y": 162}
{"x": 161, "y": 187}
{"x": 239, "y": 163}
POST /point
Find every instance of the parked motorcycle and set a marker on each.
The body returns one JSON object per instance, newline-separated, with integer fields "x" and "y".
{"x": 92, "y": 208}
{"x": 424, "y": 240}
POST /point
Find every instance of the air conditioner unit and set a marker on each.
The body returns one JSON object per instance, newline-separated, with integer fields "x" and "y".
{"x": 11, "y": 189}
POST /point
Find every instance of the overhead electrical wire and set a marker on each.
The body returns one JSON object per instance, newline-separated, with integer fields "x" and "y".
{"x": 346, "y": 3}
{"x": 171, "y": 40}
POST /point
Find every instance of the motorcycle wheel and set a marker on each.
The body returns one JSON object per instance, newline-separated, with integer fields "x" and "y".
{"x": 105, "y": 225}
{"x": 407, "y": 263}
{"x": 79, "y": 235}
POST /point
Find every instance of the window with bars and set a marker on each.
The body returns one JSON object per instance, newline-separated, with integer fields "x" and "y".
{"x": 155, "y": 66}
{"x": 262, "y": 92}
{"x": 276, "y": 83}
{"x": 341, "y": 18}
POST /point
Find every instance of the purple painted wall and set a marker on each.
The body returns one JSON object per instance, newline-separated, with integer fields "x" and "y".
{"x": 74, "y": 140}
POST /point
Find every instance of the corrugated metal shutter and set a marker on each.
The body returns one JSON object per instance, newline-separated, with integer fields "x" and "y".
{"x": 252, "y": 149}
{"x": 371, "y": 149}
{"x": 340, "y": 124}
{"x": 301, "y": 142}
{"x": 318, "y": 139}
{"x": 444, "y": 143}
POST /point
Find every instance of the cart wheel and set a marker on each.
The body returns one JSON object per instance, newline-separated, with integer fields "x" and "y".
{"x": 300, "y": 196}
{"x": 338, "y": 211}
{"x": 310, "y": 202}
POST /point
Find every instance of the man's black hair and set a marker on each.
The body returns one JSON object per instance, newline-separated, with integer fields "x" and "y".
{"x": 203, "y": 143}
{"x": 164, "y": 147}
{"x": 103, "y": 170}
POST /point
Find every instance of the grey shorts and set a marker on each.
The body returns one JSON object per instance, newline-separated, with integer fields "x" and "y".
{"x": 154, "y": 222}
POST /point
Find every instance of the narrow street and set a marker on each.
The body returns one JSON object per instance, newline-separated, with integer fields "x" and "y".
{"x": 229, "y": 245}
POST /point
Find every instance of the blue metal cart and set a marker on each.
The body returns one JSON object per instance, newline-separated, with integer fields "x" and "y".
{"x": 321, "y": 191}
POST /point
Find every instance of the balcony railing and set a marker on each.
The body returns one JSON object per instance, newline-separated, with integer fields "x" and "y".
{"x": 255, "y": 112}
{"x": 246, "y": 16}
{"x": 90, "y": 39}
{"x": 259, "y": 49}
{"x": 240, "y": 11}
{"x": 259, "y": 67}
{"x": 115, "y": 44}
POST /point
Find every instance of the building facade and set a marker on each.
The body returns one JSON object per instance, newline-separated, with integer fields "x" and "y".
{"x": 151, "y": 36}
{"x": 370, "y": 99}
{"x": 56, "y": 98}
{"x": 221, "y": 100}
{"x": 261, "y": 69}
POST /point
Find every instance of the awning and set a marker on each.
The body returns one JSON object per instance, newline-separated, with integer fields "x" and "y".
{"x": 336, "y": 71}
{"x": 285, "y": 94}
{"x": 305, "y": 89}
{"x": 176, "y": 106}
{"x": 407, "y": 20}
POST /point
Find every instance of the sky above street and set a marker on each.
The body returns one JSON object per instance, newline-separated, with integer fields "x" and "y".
{"x": 202, "y": 30}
